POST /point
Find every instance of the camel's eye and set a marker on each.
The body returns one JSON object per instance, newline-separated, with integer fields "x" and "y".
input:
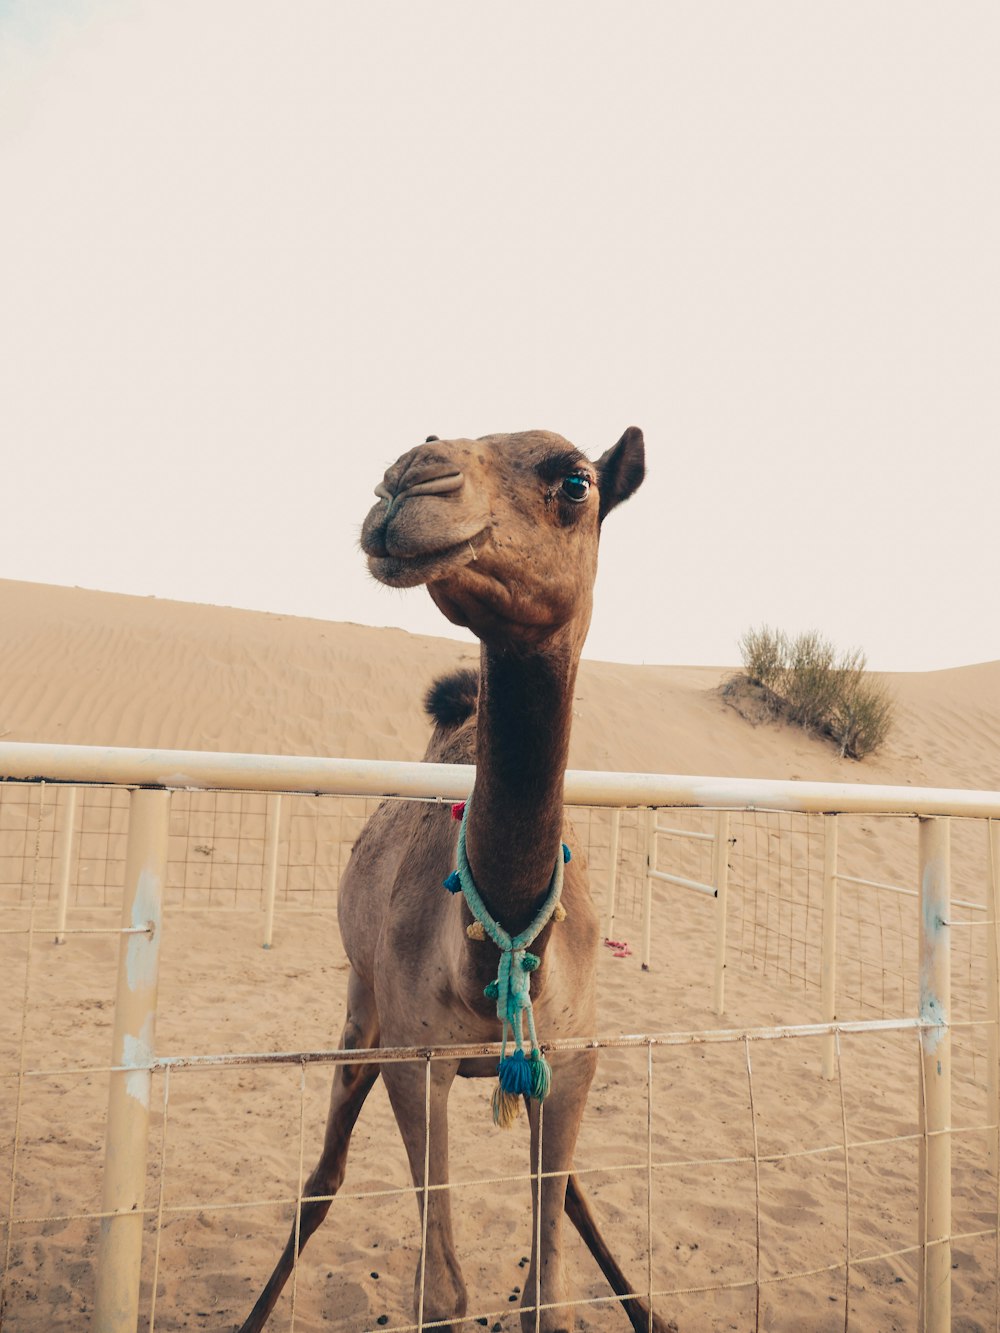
{"x": 576, "y": 487}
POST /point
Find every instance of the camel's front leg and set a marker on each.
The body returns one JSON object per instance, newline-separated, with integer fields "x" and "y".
{"x": 439, "y": 1289}
{"x": 560, "y": 1125}
{"x": 351, "y": 1085}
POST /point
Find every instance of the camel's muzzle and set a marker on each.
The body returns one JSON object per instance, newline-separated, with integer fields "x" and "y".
{"x": 408, "y": 541}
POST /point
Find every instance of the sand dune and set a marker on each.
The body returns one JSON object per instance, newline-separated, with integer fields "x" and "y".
{"x": 96, "y": 668}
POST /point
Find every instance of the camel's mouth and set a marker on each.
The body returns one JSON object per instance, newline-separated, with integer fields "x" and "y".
{"x": 412, "y": 570}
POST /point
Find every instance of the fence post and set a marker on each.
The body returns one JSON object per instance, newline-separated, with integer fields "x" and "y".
{"x": 616, "y": 832}
{"x": 271, "y": 827}
{"x": 720, "y": 879}
{"x": 993, "y": 988}
{"x": 119, "y": 1246}
{"x": 828, "y": 964}
{"x": 647, "y": 890}
{"x": 64, "y": 859}
{"x": 934, "y": 1312}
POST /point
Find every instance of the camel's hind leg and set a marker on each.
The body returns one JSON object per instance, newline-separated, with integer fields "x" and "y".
{"x": 578, "y": 1212}
{"x": 351, "y": 1085}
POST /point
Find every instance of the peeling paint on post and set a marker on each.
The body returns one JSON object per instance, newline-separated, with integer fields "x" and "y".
{"x": 993, "y": 991}
{"x": 119, "y": 1252}
{"x": 934, "y": 1315}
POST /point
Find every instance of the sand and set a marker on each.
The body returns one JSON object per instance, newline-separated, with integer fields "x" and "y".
{"x": 84, "y": 667}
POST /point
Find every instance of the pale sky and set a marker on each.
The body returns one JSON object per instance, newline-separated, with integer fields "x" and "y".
{"x": 250, "y": 253}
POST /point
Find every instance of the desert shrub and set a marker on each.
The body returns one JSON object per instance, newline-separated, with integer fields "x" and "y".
{"x": 811, "y": 684}
{"x": 862, "y": 718}
{"x": 765, "y": 656}
{"x": 806, "y": 681}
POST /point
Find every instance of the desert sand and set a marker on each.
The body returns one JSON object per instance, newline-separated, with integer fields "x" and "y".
{"x": 83, "y": 667}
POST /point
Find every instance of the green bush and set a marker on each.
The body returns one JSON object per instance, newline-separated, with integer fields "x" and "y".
{"x": 765, "y": 655}
{"x": 806, "y": 682}
{"x": 811, "y": 684}
{"x": 862, "y": 718}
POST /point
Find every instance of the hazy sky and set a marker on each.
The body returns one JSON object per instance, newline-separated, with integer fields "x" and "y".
{"x": 250, "y": 253}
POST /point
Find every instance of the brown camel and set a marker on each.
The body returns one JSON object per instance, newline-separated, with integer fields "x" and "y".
{"x": 504, "y": 532}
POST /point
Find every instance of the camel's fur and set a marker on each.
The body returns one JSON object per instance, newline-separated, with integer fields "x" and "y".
{"x": 505, "y": 550}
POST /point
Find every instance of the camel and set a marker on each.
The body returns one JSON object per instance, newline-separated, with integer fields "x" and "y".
{"x": 503, "y": 531}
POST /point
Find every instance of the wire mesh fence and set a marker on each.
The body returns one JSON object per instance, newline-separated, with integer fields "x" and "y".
{"x": 739, "y": 1186}
{"x": 217, "y": 847}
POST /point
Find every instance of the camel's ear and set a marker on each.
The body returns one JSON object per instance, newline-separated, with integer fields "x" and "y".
{"x": 431, "y": 439}
{"x": 620, "y": 471}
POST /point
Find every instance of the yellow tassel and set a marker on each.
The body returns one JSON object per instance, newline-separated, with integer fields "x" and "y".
{"x": 506, "y": 1107}
{"x": 475, "y": 930}
{"x": 559, "y": 912}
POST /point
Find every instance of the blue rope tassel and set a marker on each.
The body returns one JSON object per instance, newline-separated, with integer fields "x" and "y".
{"x": 518, "y": 1075}
{"x": 514, "y": 1074}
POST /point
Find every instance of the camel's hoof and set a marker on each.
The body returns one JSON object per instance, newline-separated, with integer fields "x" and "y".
{"x": 643, "y": 1324}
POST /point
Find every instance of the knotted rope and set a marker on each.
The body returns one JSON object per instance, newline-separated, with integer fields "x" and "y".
{"x": 518, "y": 1075}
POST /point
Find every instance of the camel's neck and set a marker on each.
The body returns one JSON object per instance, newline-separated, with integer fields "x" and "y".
{"x": 515, "y": 822}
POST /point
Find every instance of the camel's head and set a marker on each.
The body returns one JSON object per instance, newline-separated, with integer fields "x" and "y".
{"x": 502, "y": 530}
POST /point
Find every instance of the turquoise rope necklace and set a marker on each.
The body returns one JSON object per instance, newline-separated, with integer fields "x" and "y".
{"x": 518, "y": 1075}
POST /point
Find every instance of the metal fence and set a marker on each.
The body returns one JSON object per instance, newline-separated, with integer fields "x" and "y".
{"x": 90, "y": 831}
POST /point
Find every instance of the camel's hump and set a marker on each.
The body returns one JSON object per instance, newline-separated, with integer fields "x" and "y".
{"x": 451, "y": 700}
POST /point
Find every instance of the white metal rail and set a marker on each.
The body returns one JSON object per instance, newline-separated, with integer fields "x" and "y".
{"x": 81, "y": 765}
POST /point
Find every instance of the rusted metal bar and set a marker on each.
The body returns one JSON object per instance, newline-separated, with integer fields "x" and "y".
{"x": 396, "y": 1054}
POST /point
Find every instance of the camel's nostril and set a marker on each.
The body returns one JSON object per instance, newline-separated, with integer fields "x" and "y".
{"x": 440, "y": 484}
{"x": 428, "y": 480}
